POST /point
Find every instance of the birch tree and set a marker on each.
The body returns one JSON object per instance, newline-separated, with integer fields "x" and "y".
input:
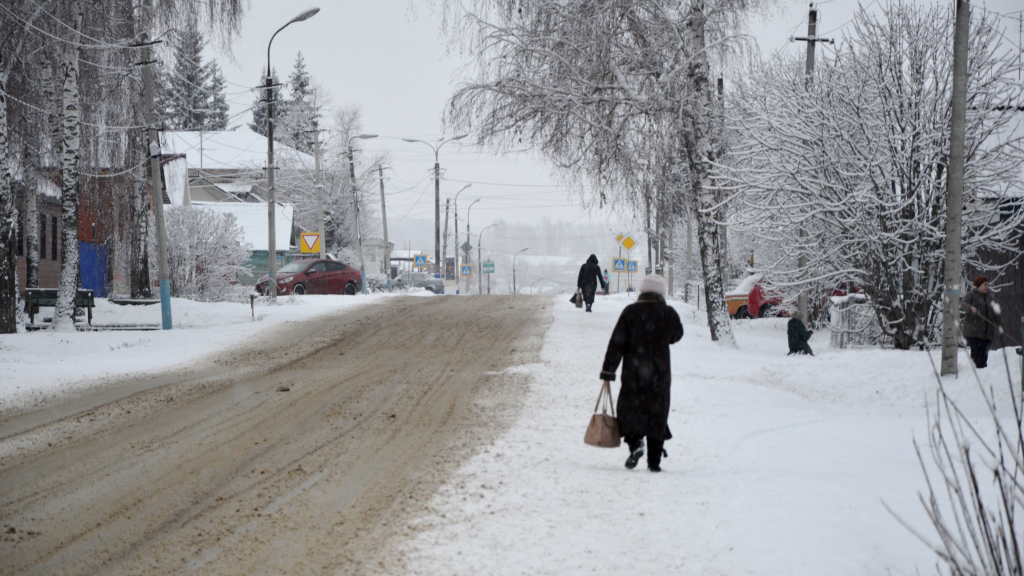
{"x": 600, "y": 86}
{"x": 858, "y": 159}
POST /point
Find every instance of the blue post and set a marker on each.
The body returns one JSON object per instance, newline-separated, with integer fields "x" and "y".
{"x": 165, "y": 302}
{"x": 362, "y": 276}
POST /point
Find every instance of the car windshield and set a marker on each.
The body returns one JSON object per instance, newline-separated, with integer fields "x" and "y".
{"x": 292, "y": 267}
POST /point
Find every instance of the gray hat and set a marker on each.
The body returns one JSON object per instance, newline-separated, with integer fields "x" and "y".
{"x": 653, "y": 283}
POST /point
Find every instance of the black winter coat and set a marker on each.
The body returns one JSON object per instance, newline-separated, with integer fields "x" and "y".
{"x": 798, "y": 335}
{"x": 640, "y": 341}
{"x": 974, "y": 325}
{"x": 590, "y": 275}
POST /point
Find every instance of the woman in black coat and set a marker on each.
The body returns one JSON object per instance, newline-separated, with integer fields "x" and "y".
{"x": 590, "y": 275}
{"x": 981, "y": 320}
{"x": 640, "y": 341}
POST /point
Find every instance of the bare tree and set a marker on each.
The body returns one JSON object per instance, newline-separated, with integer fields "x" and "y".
{"x": 857, "y": 159}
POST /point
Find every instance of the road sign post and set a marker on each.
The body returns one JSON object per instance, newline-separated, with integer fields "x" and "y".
{"x": 419, "y": 261}
{"x": 466, "y": 270}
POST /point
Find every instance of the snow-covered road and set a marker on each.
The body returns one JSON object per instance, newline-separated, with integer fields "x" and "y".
{"x": 779, "y": 465}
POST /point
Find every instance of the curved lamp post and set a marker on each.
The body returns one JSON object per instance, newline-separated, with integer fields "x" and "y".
{"x": 461, "y": 190}
{"x": 480, "y": 261}
{"x": 437, "y": 195}
{"x": 355, "y": 200}
{"x": 514, "y": 291}
{"x": 535, "y": 282}
{"x": 271, "y": 204}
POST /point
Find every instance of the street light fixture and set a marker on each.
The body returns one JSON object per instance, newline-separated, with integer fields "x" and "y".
{"x": 514, "y": 291}
{"x": 534, "y": 283}
{"x": 479, "y": 259}
{"x": 469, "y": 240}
{"x": 271, "y": 203}
{"x": 437, "y": 195}
{"x": 457, "y": 234}
{"x": 355, "y": 200}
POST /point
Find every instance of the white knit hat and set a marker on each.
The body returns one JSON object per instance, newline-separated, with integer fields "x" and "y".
{"x": 653, "y": 283}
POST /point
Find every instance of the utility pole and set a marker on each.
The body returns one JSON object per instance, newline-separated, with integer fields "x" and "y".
{"x": 811, "y": 39}
{"x": 444, "y": 252}
{"x": 384, "y": 219}
{"x": 359, "y": 230}
{"x": 271, "y": 202}
{"x": 319, "y": 185}
{"x": 437, "y": 217}
{"x": 954, "y": 191}
{"x": 157, "y": 183}
{"x": 458, "y": 270}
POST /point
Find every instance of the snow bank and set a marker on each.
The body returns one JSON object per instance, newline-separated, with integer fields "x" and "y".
{"x": 42, "y": 363}
{"x": 745, "y": 285}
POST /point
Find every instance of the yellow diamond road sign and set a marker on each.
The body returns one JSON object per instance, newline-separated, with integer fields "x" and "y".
{"x": 310, "y": 242}
{"x": 627, "y": 241}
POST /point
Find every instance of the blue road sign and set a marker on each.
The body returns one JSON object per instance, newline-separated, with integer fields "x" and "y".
{"x": 466, "y": 270}
{"x": 631, "y": 266}
{"x": 619, "y": 264}
{"x": 420, "y": 261}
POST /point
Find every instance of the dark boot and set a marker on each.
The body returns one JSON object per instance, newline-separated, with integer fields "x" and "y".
{"x": 636, "y": 451}
{"x": 588, "y": 307}
{"x": 655, "y": 450}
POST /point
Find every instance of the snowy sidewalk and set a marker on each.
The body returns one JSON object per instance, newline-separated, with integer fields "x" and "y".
{"x": 779, "y": 465}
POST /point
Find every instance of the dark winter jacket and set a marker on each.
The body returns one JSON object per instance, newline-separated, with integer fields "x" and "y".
{"x": 590, "y": 275}
{"x": 974, "y": 325}
{"x": 640, "y": 341}
{"x": 798, "y": 335}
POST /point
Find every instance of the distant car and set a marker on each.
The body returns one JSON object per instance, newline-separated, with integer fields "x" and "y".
{"x": 419, "y": 280}
{"x": 314, "y": 276}
{"x": 750, "y": 299}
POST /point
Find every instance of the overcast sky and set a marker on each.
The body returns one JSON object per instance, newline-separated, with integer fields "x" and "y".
{"x": 388, "y": 57}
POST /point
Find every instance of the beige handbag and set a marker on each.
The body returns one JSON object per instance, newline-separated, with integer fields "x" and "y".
{"x": 579, "y": 298}
{"x": 603, "y": 431}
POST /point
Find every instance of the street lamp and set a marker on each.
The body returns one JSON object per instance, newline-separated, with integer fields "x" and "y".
{"x": 457, "y": 234}
{"x": 479, "y": 259}
{"x": 469, "y": 241}
{"x": 271, "y": 204}
{"x": 437, "y": 195}
{"x": 355, "y": 200}
{"x": 534, "y": 283}
{"x": 514, "y": 291}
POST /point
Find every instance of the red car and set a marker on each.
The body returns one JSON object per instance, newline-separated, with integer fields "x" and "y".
{"x": 314, "y": 277}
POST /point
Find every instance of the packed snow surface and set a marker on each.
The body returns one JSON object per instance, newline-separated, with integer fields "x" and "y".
{"x": 780, "y": 464}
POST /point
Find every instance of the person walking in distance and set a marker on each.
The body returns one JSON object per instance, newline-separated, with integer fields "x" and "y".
{"x": 641, "y": 342}
{"x": 590, "y": 275}
{"x": 606, "y": 284}
{"x": 981, "y": 320}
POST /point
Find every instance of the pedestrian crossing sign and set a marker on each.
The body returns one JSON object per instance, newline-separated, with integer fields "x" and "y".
{"x": 631, "y": 266}
{"x": 466, "y": 270}
{"x": 619, "y": 264}
{"x": 420, "y": 261}
{"x": 310, "y": 243}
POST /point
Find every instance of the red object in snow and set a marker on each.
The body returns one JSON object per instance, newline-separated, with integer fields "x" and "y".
{"x": 761, "y": 304}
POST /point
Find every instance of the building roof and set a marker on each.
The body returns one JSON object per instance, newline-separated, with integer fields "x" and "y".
{"x": 228, "y": 149}
{"x": 252, "y": 218}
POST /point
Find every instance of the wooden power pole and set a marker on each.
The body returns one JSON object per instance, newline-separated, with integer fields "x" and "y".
{"x": 954, "y": 191}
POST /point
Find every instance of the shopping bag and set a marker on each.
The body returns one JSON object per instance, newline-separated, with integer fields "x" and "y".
{"x": 579, "y": 298}
{"x": 603, "y": 430}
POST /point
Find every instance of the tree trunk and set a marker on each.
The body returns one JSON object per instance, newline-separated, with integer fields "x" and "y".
{"x": 32, "y": 233}
{"x": 139, "y": 242}
{"x": 697, "y": 137}
{"x": 63, "y": 316}
{"x": 8, "y": 244}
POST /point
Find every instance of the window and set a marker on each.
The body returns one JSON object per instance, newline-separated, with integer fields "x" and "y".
{"x": 316, "y": 268}
{"x": 335, "y": 266}
{"x": 53, "y": 239}
{"x": 20, "y": 232}
{"x": 42, "y": 237}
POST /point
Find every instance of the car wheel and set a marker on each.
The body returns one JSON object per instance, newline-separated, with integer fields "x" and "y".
{"x": 742, "y": 313}
{"x": 299, "y": 290}
{"x": 350, "y": 289}
{"x": 765, "y": 311}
